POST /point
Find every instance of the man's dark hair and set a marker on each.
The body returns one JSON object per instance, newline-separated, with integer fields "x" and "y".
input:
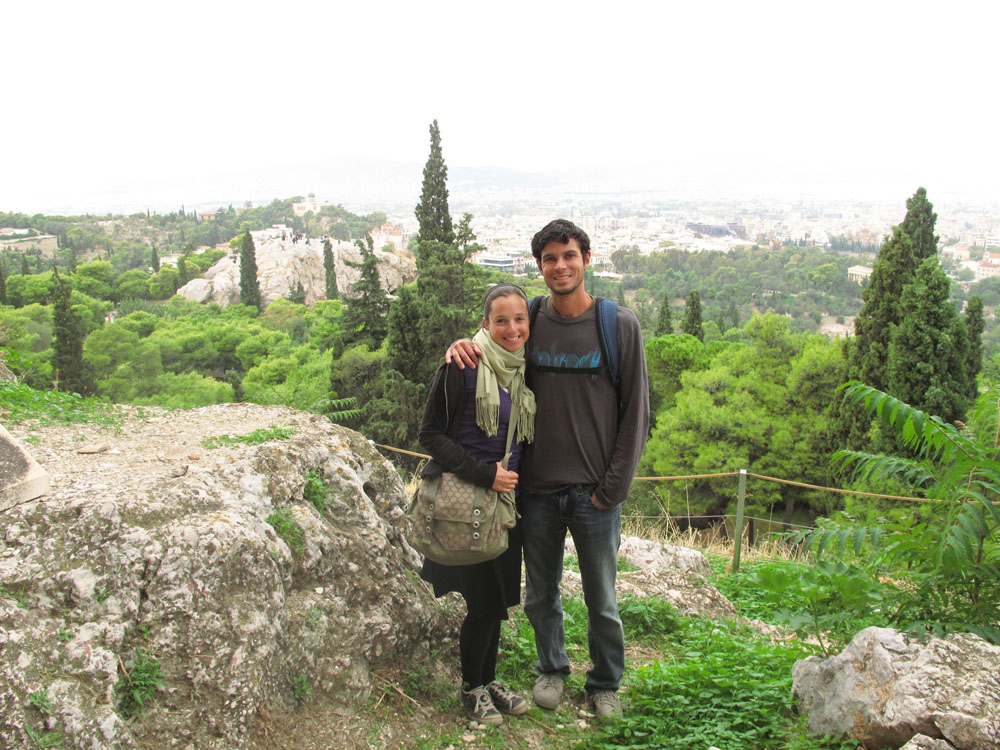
{"x": 559, "y": 230}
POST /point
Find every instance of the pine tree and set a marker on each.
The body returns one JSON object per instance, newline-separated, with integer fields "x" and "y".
{"x": 928, "y": 353}
{"x": 432, "y": 210}
{"x": 155, "y": 259}
{"x": 974, "y": 325}
{"x": 894, "y": 268}
{"x": 365, "y": 316}
{"x": 692, "y": 316}
{"x": 330, "y": 270}
{"x": 919, "y": 224}
{"x": 249, "y": 285}
{"x": 664, "y": 323}
{"x": 68, "y": 335}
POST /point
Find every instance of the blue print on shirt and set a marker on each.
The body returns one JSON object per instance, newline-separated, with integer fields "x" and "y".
{"x": 555, "y": 358}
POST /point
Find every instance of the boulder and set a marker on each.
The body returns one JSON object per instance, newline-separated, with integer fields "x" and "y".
{"x": 283, "y": 264}
{"x": 185, "y": 552}
{"x": 885, "y": 688}
{"x": 674, "y": 573}
{"x": 21, "y": 478}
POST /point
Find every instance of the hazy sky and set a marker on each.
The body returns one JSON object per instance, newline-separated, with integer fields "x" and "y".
{"x": 123, "y": 95}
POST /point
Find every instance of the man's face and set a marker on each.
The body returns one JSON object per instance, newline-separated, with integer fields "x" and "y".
{"x": 561, "y": 265}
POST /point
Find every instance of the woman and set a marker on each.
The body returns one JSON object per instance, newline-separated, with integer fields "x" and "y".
{"x": 464, "y": 428}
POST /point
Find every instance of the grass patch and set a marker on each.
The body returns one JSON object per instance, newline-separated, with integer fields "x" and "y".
{"x": 288, "y": 530}
{"x": 648, "y": 619}
{"x": 20, "y": 403}
{"x": 315, "y": 490}
{"x": 138, "y": 684}
{"x": 257, "y": 437}
{"x": 725, "y": 687}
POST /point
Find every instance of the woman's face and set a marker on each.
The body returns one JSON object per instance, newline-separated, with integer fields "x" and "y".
{"x": 508, "y": 321}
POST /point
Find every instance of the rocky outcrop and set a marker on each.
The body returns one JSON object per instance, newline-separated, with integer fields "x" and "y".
{"x": 674, "y": 573}
{"x": 151, "y": 543}
{"x": 282, "y": 264}
{"x": 884, "y": 689}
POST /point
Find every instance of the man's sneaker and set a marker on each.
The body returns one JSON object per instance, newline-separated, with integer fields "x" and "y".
{"x": 605, "y": 704}
{"x": 479, "y": 706}
{"x": 506, "y": 700}
{"x": 548, "y": 690}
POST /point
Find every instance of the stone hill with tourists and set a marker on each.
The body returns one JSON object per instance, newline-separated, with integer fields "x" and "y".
{"x": 284, "y": 261}
{"x": 234, "y": 578}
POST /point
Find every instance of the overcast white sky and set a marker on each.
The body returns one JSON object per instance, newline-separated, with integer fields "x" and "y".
{"x": 117, "y": 94}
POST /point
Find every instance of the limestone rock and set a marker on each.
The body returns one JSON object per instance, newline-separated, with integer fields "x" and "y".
{"x": 21, "y": 477}
{"x": 282, "y": 264}
{"x": 664, "y": 570}
{"x": 650, "y": 555}
{"x": 884, "y": 688}
{"x": 923, "y": 742}
{"x": 124, "y": 554}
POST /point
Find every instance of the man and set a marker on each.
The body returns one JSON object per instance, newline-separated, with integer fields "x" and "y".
{"x": 578, "y": 471}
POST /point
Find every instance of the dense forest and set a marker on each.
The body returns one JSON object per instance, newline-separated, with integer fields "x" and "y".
{"x": 740, "y": 374}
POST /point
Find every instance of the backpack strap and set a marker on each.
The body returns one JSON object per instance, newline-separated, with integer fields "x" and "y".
{"x": 607, "y": 334}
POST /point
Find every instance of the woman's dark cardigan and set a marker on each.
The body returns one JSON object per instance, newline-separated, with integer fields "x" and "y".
{"x": 488, "y": 587}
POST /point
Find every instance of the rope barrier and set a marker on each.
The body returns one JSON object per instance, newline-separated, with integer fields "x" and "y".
{"x": 722, "y": 475}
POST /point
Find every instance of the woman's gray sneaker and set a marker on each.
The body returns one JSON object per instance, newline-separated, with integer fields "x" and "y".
{"x": 605, "y": 704}
{"x": 506, "y": 700}
{"x": 479, "y": 706}
{"x": 548, "y": 690}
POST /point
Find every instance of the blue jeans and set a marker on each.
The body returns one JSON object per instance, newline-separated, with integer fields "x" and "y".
{"x": 596, "y": 534}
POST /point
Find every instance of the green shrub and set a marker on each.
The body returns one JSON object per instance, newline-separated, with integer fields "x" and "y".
{"x": 137, "y": 684}
{"x": 315, "y": 490}
{"x": 288, "y": 530}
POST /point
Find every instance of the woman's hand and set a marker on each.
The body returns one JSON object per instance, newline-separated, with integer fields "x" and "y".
{"x": 504, "y": 481}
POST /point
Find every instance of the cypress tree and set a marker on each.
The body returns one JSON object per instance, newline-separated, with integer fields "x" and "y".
{"x": 330, "y": 270}
{"x": 182, "y": 272}
{"x": 404, "y": 347}
{"x": 974, "y": 325}
{"x": 919, "y": 224}
{"x": 25, "y": 271}
{"x": 68, "y": 335}
{"x": 365, "y": 316}
{"x": 249, "y": 285}
{"x": 692, "y": 316}
{"x": 3, "y": 284}
{"x": 894, "y": 268}
{"x": 432, "y": 210}
{"x": 928, "y": 353}
{"x": 444, "y": 306}
{"x": 155, "y": 259}
{"x": 664, "y": 323}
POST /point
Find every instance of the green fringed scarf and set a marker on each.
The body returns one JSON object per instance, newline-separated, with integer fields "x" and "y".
{"x": 502, "y": 368}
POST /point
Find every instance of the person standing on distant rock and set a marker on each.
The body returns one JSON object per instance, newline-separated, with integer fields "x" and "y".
{"x": 578, "y": 471}
{"x": 464, "y": 428}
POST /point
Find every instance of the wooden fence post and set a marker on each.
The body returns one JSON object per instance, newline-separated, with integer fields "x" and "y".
{"x": 738, "y": 531}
